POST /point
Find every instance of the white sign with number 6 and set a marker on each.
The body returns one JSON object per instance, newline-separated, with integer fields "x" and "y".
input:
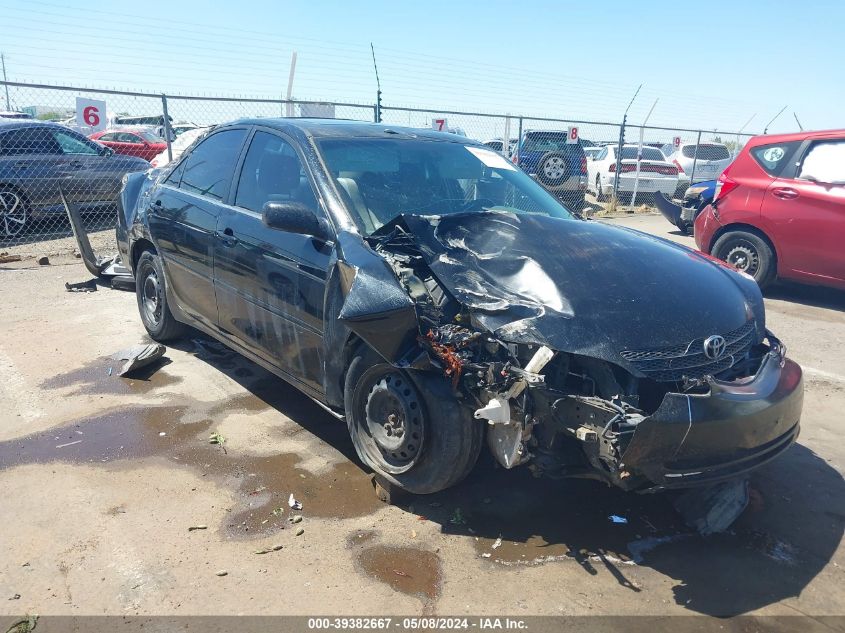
{"x": 440, "y": 125}
{"x": 91, "y": 114}
{"x": 572, "y": 136}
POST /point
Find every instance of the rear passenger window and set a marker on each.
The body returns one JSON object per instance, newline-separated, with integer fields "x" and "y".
{"x": 706, "y": 152}
{"x": 272, "y": 172}
{"x": 825, "y": 162}
{"x": 30, "y": 140}
{"x": 208, "y": 169}
{"x": 775, "y": 157}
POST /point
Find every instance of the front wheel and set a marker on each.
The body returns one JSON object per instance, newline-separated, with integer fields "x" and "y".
{"x": 408, "y": 426}
{"x": 13, "y": 213}
{"x": 749, "y": 253}
{"x": 152, "y": 299}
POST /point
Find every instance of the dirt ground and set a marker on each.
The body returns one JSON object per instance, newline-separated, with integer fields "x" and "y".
{"x": 114, "y": 502}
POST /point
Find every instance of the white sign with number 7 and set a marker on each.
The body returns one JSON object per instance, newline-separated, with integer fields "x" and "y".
{"x": 440, "y": 125}
{"x": 91, "y": 114}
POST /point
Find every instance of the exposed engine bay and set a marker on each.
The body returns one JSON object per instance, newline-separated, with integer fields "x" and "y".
{"x": 563, "y": 413}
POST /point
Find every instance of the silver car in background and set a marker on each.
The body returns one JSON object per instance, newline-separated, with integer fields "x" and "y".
{"x": 710, "y": 160}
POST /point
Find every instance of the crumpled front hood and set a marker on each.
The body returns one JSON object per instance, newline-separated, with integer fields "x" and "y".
{"x": 581, "y": 287}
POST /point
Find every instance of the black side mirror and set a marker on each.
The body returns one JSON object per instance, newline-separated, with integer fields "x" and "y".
{"x": 294, "y": 217}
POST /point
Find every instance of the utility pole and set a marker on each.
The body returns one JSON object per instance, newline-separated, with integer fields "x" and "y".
{"x": 800, "y": 127}
{"x": 378, "y": 86}
{"x": 289, "y": 108}
{"x": 3, "y": 61}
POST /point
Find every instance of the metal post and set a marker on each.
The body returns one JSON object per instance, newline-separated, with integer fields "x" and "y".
{"x": 167, "y": 130}
{"x": 695, "y": 158}
{"x": 289, "y": 105}
{"x": 619, "y": 157}
{"x": 8, "y": 103}
{"x": 519, "y": 140}
{"x": 640, "y": 154}
{"x": 506, "y": 141}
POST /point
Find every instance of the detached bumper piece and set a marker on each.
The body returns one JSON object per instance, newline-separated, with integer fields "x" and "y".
{"x": 695, "y": 439}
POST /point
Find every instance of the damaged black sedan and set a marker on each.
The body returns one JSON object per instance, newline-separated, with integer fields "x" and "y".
{"x": 434, "y": 296}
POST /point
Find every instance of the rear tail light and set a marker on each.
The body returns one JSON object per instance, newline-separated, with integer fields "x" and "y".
{"x": 724, "y": 185}
{"x": 515, "y": 159}
{"x": 626, "y": 168}
{"x": 678, "y": 165}
{"x": 583, "y": 165}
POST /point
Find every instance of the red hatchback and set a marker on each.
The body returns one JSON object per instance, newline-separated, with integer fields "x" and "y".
{"x": 132, "y": 142}
{"x": 779, "y": 209}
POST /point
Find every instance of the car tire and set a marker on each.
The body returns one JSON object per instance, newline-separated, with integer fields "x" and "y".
{"x": 599, "y": 194}
{"x": 150, "y": 284}
{"x": 408, "y": 426}
{"x": 553, "y": 169}
{"x": 14, "y": 212}
{"x": 749, "y": 253}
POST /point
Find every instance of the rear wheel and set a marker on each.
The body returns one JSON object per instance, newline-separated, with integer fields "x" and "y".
{"x": 408, "y": 426}
{"x": 152, "y": 299}
{"x": 749, "y": 253}
{"x": 13, "y": 212}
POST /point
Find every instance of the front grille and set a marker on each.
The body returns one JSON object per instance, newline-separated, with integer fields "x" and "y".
{"x": 671, "y": 364}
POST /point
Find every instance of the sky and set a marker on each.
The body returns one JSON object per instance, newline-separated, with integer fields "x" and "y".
{"x": 707, "y": 64}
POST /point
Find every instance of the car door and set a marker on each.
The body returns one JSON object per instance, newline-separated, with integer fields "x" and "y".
{"x": 182, "y": 217}
{"x": 34, "y": 164}
{"x": 806, "y": 206}
{"x": 85, "y": 180}
{"x": 270, "y": 284}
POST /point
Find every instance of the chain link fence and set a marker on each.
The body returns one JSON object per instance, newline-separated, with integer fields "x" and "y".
{"x": 119, "y": 132}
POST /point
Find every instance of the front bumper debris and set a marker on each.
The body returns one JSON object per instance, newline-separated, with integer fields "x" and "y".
{"x": 694, "y": 439}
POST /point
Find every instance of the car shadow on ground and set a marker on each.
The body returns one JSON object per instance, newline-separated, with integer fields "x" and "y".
{"x": 815, "y": 296}
{"x": 789, "y": 532}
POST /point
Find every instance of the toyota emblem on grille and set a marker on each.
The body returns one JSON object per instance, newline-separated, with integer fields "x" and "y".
{"x": 714, "y": 347}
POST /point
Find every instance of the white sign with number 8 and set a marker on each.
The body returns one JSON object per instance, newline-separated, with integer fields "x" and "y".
{"x": 572, "y": 136}
{"x": 91, "y": 114}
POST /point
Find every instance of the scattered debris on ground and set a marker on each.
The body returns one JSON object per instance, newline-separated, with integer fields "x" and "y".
{"x": 713, "y": 509}
{"x": 300, "y": 531}
{"x": 5, "y": 258}
{"x": 222, "y": 572}
{"x": 43, "y": 261}
{"x": 216, "y": 438}
{"x": 296, "y": 518}
{"x": 197, "y": 527}
{"x": 293, "y": 503}
{"x": 138, "y": 357}
{"x": 82, "y": 286}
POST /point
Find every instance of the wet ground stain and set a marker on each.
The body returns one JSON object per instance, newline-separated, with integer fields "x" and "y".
{"x": 415, "y": 572}
{"x": 181, "y": 433}
{"x": 94, "y": 378}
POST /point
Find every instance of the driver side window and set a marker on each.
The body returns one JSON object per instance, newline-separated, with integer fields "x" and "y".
{"x": 272, "y": 172}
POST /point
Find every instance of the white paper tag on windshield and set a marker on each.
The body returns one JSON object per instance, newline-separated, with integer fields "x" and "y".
{"x": 490, "y": 158}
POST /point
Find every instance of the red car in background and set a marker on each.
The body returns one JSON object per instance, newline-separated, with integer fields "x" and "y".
{"x": 132, "y": 142}
{"x": 779, "y": 209}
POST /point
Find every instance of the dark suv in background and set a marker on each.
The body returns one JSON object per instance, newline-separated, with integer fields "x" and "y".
{"x": 559, "y": 166}
{"x": 39, "y": 158}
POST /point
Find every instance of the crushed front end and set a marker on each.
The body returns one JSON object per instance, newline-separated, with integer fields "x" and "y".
{"x": 696, "y": 412}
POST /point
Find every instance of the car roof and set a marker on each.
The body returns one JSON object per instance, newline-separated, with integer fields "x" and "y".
{"x": 9, "y": 124}
{"x": 765, "y": 139}
{"x": 343, "y": 128}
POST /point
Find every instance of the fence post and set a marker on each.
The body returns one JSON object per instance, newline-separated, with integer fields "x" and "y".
{"x": 519, "y": 140}
{"x": 695, "y": 158}
{"x": 167, "y": 130}
{"x": 619, "y": 157}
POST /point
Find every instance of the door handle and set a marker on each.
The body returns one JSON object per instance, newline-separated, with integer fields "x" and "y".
{"x": 785, "y": 193}
{"x": 76, "y": 164}
{"x": 227, "y": 237}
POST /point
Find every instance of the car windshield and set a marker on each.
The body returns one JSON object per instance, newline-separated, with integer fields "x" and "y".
{"x": 545, "y": 142}
{"x": 150, "y": 137}
{"x": 649, "y": 153}
{"x": 381, "y": 179}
